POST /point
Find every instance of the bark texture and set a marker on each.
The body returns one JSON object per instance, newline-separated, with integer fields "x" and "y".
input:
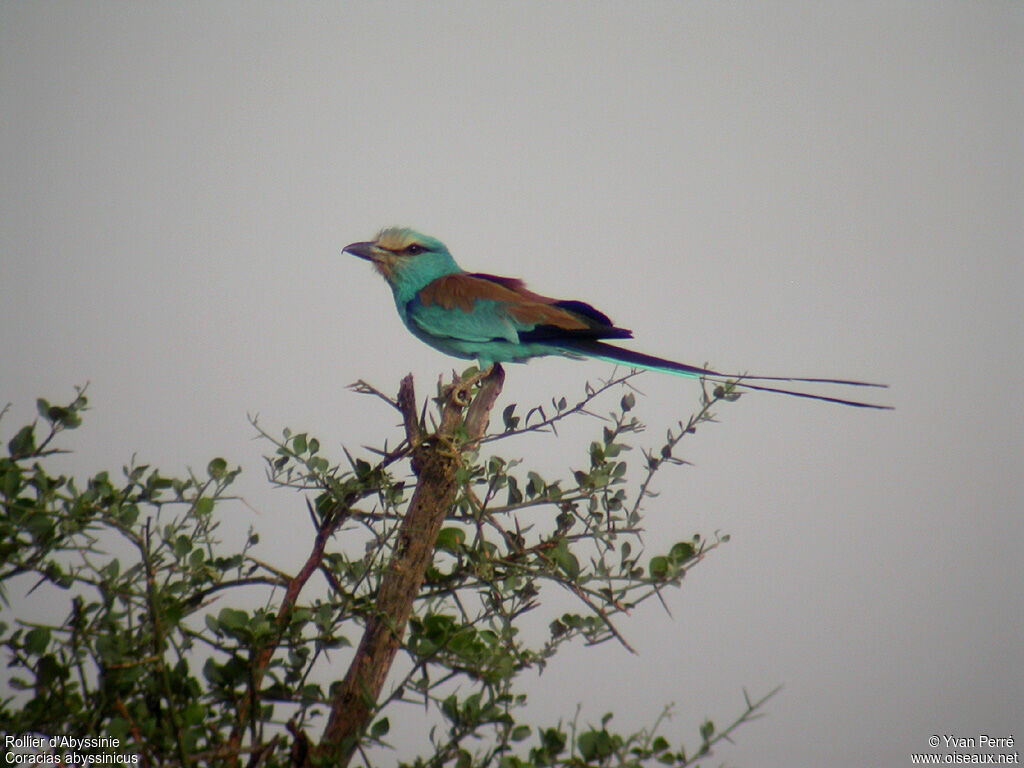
{"x": 436, "y": 459}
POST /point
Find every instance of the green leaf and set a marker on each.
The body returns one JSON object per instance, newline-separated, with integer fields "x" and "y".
{"x": 37, "y": 640}
{"x": 681, "y": 552}
{"x": 235, "y": 671}
{"x": 111, "y": 570}
{"x": 707, "y": 730}
{"x": 515, "y": 496}
{"x": 212, "y": 624}
{"x": 534, "y": 485}
{"x": 594, "y": 744}
{"x": 232, "y": 619}
{"x": 63, "y": 417}
{"x": 438, "y": 627}
{"x": 566, "y": 560}
{"x": 659, "y": 568}
{"x": 520, "y": 733}
{"x": 552, "y": 741}
{"x": 450, "y": 539}
{"x": 217, "y": 468}
{"x": 380, "y": 728}
{"x": 10, "y": 478}
{"x": 508, "y": 419}
{"x": 182, "y": 546}
{"x": 49, "y": 670}
{"x": 59, "y": 415}
{"x": 23, "y": 444}
{"x": 212, "y": 671}
{"x": 129, "y": 514}
{"x": 194, "y": 713}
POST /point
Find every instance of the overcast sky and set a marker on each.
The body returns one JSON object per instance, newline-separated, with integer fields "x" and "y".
{"x": 808, "y": 189}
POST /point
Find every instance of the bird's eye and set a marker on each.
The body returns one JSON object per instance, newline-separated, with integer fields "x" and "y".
{"x": 414, "y": 249}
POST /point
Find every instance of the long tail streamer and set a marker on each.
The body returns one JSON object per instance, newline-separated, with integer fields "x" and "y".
{"x": 612, "y": 354}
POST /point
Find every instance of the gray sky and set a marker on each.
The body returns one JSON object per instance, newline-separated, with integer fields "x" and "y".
{"x": 804, "y": 189}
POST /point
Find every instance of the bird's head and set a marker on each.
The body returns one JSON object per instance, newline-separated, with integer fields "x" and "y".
{"x": 406, "y": 259}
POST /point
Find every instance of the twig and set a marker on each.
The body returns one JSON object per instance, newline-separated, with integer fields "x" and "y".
{"x": 579, "y": 408}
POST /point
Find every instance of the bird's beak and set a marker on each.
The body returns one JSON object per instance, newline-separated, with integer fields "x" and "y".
{"x": 382, "y": 259}
{"x": 368, "y": 251}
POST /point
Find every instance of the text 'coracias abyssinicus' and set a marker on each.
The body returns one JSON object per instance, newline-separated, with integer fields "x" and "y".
{"x": 497, "y": 320}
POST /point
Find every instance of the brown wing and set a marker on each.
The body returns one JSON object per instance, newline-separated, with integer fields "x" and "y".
{"x": 545, "y": 316}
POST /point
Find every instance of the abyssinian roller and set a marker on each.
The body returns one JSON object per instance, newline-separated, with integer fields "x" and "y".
{"x": 496, "y": 320}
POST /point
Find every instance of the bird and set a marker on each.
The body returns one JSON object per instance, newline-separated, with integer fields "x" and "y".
{"x": 495, "y": 320}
